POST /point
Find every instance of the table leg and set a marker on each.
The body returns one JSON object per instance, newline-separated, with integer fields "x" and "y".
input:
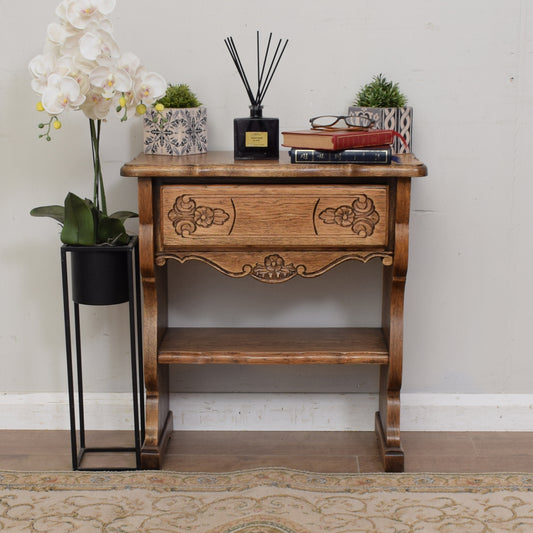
{"x": 158, "y": 425}
{"x": 158, "y": 416}
{"x": 394, "y": 277}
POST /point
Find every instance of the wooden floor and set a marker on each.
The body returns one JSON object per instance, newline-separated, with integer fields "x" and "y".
{"x": 215, "y": 451}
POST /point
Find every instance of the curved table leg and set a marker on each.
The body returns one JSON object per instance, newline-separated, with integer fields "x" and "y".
{"x": 154, "y": 284}
{"x": 394, "y": 277}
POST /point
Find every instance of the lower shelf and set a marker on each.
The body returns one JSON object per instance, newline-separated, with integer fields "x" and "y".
{"x": 273, "y": 346}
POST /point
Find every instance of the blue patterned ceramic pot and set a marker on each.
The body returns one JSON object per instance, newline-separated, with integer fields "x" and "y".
{"x": 175, "y": 131}
{"x": 399, "y": 119}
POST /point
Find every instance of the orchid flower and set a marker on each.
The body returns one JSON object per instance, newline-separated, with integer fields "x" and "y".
{"x": 60, "y": 92}
{"x": 41, "y": 67}
{"x": 129, "y": 62}
{"x": 79, "y": 74}
{"x": 110, "y": 80}
{"x": 80, "y": 13}
{"x": 96, "y": 106}
{"x": 149, "y": 86}
{"x": 99, "y": 43}
{"x": 59, "y": 33}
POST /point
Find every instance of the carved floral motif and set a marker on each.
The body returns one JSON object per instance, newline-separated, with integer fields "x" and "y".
{"x": 186, "y": 217}
{"x": 273, "y": 269}
{"x": 361, "y": 216}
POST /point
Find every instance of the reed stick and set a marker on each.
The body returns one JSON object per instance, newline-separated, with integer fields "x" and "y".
{"x": 263, "y": 82}
{"x": 269, "y": 79}
{"x": 235, "y": 56}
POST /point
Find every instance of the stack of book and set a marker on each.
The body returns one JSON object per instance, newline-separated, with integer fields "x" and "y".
{"x": 343, "y": 146}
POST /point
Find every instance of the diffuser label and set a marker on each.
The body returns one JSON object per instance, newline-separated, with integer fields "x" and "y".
{"x": 257, "y": 139}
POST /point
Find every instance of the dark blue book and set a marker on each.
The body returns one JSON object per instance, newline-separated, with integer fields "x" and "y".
{"x": 369, "y": 156}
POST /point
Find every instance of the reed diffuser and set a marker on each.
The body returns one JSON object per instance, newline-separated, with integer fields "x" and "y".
{"x": 257, "y": 137}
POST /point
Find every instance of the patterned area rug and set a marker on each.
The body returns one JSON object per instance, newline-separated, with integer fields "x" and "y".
{"x": 264, "y": 501}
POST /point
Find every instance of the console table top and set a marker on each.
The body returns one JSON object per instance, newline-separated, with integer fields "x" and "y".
{"x": 211, "y": 164}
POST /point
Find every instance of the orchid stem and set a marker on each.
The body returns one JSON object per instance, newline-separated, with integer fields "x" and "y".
{"x": 99, "y": 198}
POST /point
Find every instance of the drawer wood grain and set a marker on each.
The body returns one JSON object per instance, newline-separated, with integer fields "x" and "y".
{"x": 286, "y": 216}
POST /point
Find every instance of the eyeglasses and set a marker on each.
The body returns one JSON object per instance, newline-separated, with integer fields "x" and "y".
{"x": 352, "y": 122}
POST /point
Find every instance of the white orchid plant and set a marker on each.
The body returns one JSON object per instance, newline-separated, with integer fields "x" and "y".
{"x": 81, "y": 68}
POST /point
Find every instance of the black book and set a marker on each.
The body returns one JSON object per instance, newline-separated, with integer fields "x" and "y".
{"x": 370, "y": 156}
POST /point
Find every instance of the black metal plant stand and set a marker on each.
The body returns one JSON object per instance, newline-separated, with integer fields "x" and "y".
{"x": 103, "y": 275}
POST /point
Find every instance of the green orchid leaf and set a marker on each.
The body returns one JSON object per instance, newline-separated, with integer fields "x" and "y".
{"x": 78, "y": 228}
{"x": 57, "y": 212}
{"x": 96, "y": 216}
{"x": 124, "y": 215}
{"x": 111, "y": 230}
{"x": 83, "y": 224}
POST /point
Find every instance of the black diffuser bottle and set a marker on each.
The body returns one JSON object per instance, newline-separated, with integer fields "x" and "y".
{"x": 256, "y": 137}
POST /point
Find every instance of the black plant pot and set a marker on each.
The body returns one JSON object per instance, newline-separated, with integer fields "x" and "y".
{"x": 99, "y": 274}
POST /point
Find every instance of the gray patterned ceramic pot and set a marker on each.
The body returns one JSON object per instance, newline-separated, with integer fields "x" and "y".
{"x": 399, "y": 119}
{"x": 175, "y": 131}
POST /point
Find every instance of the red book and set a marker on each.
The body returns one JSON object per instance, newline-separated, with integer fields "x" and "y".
{"x": 336, "y": 140}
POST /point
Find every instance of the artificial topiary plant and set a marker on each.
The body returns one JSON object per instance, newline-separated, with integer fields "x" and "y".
{"x": 380, "y": 93}
{"x": 179, "y": 96}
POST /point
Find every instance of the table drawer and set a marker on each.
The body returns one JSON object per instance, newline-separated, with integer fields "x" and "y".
{"x": 291, "y": 216}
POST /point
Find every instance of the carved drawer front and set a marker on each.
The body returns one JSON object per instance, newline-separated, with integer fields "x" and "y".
{"x": 292, "y": 216}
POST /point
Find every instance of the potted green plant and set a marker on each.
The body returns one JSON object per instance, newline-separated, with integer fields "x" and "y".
{"x": 82, "y": 69}
{"x": 382, "y": 101}
{"x": 177, "y": 125}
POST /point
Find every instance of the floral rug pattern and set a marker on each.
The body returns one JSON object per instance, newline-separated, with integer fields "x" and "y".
{"x": 268, "y": 500}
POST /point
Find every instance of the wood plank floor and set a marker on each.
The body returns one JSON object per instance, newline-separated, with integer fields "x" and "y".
{"x": 220, "y": 451}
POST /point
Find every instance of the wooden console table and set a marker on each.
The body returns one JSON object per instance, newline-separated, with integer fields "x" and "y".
{"x": 271, "y": 220}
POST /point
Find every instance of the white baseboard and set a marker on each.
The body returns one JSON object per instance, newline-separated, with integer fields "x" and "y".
{"x": 279, "y": 412}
